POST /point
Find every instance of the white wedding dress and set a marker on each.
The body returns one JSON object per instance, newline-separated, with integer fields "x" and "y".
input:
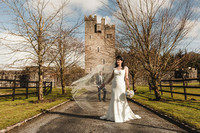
{"x": 119, "y": 110}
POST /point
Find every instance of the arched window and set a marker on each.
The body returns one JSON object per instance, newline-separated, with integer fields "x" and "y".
{"x": 98, "y": 49}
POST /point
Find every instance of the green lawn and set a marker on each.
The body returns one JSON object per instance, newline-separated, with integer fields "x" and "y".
{"x": 12, "y": 112}
{"x": 187, "y": 111}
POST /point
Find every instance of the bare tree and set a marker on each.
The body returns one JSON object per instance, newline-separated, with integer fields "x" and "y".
{"x": 68, "y": 49}
{"x": 34, "y": 24}
{"x": 156, "y": 28}
{"x": 70, "y": 52}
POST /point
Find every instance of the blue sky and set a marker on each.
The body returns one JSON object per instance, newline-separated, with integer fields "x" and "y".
{"x": 79, "y": 9}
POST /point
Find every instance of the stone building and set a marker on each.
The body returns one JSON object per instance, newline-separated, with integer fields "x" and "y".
{"x": 29, "y": 73}
{"x": 186, "y": 73}
{"x": 99, "y": 43}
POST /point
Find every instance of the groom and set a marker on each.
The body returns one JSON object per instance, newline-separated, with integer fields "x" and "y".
{"x": 99, "y": 82}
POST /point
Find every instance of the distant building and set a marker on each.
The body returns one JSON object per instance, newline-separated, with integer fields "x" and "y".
{"x": 186, "y": 73}
{"x": 29, "y": 73}
{"x": 99, "y": 43}
{"x": 189, "y": 73}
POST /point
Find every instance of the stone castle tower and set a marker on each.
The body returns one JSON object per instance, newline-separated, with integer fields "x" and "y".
{"x": 99, "y": 43}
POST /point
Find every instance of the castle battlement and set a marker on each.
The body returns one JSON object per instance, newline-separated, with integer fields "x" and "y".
{"x": 110, "y": 26}
{"x": 90, "y": 18}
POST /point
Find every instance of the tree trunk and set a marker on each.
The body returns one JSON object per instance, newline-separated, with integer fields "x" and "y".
{"x": 156, "y": 89}
{"x": 133, "y": 82}
{"x": 40, "y": 65}
{"x": 62, "y": 72}
{"x": 62, "y": 80}
{"x": 40, "y": 74}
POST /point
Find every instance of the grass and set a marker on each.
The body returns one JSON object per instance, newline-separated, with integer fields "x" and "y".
{"x": 187, "y": 111}
{"x": 12, "y": 112}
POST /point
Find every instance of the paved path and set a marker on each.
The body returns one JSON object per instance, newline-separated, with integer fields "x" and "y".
{"x": 71, "y": 118}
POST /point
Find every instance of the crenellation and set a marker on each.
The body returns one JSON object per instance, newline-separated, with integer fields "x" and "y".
{"x": 90, "y": 18}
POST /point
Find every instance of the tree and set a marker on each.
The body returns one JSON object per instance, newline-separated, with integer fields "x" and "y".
{"x": 155, "y": 28}
{"x": 68, "y": 50}
{"x": 73, "y": 74}
{"x": 35, "y": 25}
{"x": 190, "y": 60}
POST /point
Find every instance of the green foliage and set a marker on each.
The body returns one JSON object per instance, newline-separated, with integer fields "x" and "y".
{"x": 12, "y": 112}
{"x": 186, "y": 111}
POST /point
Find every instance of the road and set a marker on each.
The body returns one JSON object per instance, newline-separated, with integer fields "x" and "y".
{"x": 82, "y": 116}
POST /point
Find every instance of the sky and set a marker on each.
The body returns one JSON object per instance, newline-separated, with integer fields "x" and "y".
{"x": 77, "y": 9}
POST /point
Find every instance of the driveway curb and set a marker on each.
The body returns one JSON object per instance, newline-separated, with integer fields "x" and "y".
{"x": 168, "y": 118}
{"x": 28, "y": 119}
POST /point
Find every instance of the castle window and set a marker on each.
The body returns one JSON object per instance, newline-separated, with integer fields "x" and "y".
{"x": 109, "y": 35}
{"x": 90, "y": 48}
{"x": 98, "y": 28}
{"x": 98, "y": 49}
{"x": 90, "y": 37}
{"x": 104, "y": 61}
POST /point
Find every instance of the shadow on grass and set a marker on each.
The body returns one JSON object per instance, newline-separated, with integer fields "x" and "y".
{"x": 177, "y": 102}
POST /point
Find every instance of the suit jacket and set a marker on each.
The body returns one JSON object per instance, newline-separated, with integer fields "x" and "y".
{"x": 99, "y": 79}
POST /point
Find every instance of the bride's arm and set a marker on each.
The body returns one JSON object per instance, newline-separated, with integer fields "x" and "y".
{"x": 108, "y": 80}
{"x": 126, "y": 78}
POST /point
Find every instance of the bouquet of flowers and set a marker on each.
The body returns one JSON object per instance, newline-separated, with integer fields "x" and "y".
{"x": 130, "y": 93}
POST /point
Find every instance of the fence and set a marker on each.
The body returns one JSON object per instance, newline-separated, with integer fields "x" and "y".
{"x": 21, "y": 84}
{"x": 184, "y": 86}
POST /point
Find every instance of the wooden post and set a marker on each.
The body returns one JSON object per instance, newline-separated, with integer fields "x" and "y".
{"x": 26, "y": 89}
{"x": 184, "y": 87}
{"x": 161, "y": 88}
{"x": 171, "y": 88}
{"x": 51, "y": 87}
{"x": 13, "y": 94}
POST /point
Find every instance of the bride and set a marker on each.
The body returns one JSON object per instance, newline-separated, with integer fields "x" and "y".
{"x": 119, "y": 110}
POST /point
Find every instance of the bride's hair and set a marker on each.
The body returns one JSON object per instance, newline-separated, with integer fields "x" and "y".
{"x": 119, "y": 58}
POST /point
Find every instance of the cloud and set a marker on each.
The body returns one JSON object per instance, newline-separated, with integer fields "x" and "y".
{"x": 12, "y": 50}
{"x": 137, "y": 5}
{"x": 50, "y": 6}
{"x": 83, "y": 5}
{"x": 108, "y": 20}
{"x": 195, "y": 30}
{"x": 89, "y": 5}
